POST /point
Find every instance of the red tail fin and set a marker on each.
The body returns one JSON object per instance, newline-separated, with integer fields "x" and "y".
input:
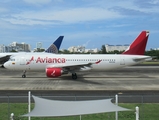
{"x": 139, "y": 45}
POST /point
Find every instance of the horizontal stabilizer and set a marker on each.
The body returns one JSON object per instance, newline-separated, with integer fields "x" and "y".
{"x": 144, "y": 58}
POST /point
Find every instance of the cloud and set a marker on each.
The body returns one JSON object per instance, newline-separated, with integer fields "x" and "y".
{"x": 27, "y": 21}
{"x": 136, "y": 7}
{"x": 147, "y": 3}
{"x": 87, "y": 34}
{"x": 77, "y": 20}
{"x": 67, "y": 16}
{"x": 2, "y": 10}
{"x": 119, "y": 25}
{"x": 85, "y": 44}
{"x": 37, "y": 2}
{"x": 73, "y": 15}
{"x": 128, "y": 11}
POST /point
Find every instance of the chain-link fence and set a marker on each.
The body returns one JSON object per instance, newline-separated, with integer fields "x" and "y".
{"x": 148, "y": 107}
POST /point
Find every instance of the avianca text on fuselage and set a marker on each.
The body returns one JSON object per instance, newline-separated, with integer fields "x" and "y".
{"x": 50, "y": 60}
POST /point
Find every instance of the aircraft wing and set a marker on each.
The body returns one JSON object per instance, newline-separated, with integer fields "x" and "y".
{"x": 75, "y": 66}
{"x": 5, "y": 58}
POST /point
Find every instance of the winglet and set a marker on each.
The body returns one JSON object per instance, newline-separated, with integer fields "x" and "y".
{"x": 139, "y": 44}
{"x": 54, "y": 48}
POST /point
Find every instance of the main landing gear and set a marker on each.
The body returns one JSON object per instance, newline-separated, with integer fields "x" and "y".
{"x": 74, "y": 76}
{"x": 24, "y": 76}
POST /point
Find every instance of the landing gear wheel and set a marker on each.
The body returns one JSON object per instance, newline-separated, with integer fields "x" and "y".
{"x": 23, "y": 76}
{"x": 74, "y": 76}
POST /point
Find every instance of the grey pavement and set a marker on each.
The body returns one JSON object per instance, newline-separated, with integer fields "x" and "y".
{"x": 135, "y": 78}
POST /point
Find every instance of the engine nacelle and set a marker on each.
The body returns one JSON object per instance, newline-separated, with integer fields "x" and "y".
{"x": 53, "y": 72}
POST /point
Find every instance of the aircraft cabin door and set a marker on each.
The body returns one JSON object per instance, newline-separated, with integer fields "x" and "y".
{"x": 122, "y": 61}
{"x": 22, "y": 62}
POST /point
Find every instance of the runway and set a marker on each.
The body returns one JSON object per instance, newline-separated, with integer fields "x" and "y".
{"x": 125, "y": 79}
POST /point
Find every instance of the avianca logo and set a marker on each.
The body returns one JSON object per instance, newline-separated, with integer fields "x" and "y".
{"x": 30, "y": 61}
{"x": 47, "y": 60}
{"x": 53, "y": 73}
{"x": 50, "y": 60}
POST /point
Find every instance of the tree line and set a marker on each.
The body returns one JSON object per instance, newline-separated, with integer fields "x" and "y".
{"x": 153, "y": 53}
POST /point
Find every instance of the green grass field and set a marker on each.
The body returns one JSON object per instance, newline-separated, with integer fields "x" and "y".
{"x": 147, "y": 112}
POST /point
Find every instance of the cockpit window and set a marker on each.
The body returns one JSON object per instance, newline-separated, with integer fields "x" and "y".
{"x": 11, "y": 59}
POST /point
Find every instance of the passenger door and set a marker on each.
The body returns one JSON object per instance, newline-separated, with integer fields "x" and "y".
{"x": 122, "y": 61}
{"x": 22, "y": 61}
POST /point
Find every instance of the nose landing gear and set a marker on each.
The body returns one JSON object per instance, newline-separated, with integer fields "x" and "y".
{"x": 24, "y": 75}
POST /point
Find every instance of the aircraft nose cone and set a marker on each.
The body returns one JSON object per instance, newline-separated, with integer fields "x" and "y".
{"x": 6, "y": 64}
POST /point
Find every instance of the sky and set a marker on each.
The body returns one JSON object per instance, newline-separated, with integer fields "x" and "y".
{"x": 90, "y": 23}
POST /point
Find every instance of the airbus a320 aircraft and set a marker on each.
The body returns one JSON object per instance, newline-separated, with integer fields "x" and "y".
{"x": 56, "y": 65}
{"x": 54, "y": 48}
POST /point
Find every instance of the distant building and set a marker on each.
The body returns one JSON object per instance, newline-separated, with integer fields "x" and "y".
{"x": 110, "y": 48}
{"x": 92, "y": 50}
{"x": 80, "y": 49}
{"x": 16, "y": 47}
{"x": 154, "y": 49}
{"x": 21, "y": 47}
{"x": 2, "y": 48}
{"x": 39, "y": 45}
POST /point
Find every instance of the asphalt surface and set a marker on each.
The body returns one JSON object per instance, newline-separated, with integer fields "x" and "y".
{"x": 130, "y": 78}
{"x": 141, "y": 82}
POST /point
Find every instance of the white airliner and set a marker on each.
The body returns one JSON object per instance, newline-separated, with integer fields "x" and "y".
{"x": 54, "y": 48}
{"x": 56, "y": 65}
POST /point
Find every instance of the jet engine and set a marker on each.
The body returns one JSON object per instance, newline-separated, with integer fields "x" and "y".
{"x": 54, "y": 72}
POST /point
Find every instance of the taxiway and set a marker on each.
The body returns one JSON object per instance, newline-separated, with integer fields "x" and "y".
{"x": 125, "y": 79}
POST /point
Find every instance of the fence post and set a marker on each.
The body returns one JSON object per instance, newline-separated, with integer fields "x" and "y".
{"x": 137, "y": 113}
{"x": 80, "y": 117}
{"x": 29, "y": 101}
{"x": 116, "y": 102}
{"x": 8, "y": 107}
{"x": 12, "y": 116}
